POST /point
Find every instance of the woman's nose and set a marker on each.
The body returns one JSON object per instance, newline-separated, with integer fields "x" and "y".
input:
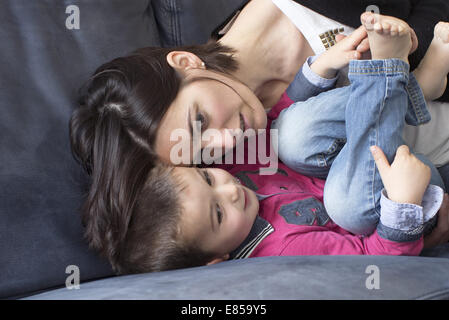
{"x": 230, "y": 124}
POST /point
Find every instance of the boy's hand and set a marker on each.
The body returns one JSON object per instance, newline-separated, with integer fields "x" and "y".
{"x": 406, "y": 179}
{"x": 440, "y": 234}
{"x": 338, "y": 56}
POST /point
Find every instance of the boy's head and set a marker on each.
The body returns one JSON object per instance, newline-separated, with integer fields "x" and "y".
{"x": 217, "y": 211}
{"x": 181, "y": 217}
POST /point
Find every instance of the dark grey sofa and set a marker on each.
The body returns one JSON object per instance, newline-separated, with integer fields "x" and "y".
{"x": 43, "y": 61}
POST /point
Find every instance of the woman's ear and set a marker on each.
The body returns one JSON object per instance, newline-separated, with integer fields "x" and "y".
{"x": 217, "y": 260}
{"x": 184, "y": 60}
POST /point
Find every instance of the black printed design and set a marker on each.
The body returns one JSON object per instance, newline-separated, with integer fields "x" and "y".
{"x": 248, "y": 182}
{"x": 304, "y": 212}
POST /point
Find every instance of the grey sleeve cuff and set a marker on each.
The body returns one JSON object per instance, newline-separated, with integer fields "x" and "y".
{"x": 406, "y": 222}
{"x": 315, "y": 79}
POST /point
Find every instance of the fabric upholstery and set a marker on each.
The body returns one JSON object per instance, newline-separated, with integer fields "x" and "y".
{"x": 41, "y": 186}
{"x": 185, "y": 22}
{"x": 286, "y": 278}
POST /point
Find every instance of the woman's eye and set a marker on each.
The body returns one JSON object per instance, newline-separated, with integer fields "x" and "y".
{"x": 219, "y": 215}
{"x": 202, "y": 120}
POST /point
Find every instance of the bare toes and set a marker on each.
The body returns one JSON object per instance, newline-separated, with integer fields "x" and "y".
{"x": 386, "y": 27}
{"x": 378, "y": 27}
{"x": 368, "y": 20}
{"x": 401, "y": 30}
{"x": 394, "y": 30}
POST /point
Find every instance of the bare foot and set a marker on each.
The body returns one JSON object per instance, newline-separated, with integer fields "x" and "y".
{"x": 389, "y": 37}
{"x": 434, "y": 67}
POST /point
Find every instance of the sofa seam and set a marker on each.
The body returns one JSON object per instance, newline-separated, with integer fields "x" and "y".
{"x": 175, "y": 23}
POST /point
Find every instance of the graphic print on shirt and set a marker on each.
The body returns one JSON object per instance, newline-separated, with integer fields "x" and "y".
{"x": 248, "y": 182}
{"x": 304, "y": 212}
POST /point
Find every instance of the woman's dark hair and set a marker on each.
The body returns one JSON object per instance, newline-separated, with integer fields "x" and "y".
{"x": 112, "y": 133}
{"x": 138, "y": 89}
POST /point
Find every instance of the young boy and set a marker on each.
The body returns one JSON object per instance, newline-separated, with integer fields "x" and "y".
{"x": 186, "y": 217}
{"x": 321, "y": 137}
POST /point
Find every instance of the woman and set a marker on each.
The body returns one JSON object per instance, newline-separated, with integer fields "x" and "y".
{"x": 267, "y": 64}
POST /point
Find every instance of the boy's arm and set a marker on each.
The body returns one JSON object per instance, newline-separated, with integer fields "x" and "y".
{"x": 399, "y": 232}
{"x": 308, "y": 84}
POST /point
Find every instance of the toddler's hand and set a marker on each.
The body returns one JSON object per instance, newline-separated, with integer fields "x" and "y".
{"x": 406, "y": 179}
{"x": 338, "y": 56}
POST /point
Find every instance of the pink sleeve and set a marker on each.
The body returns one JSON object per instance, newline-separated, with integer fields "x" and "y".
{"x": 284, "y": 102}
{"x": 333, "y": 243}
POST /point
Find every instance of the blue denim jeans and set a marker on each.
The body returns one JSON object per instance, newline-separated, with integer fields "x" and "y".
{"x": 328, "y": 136}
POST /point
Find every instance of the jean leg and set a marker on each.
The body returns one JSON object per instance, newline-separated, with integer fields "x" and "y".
{"x": 375, "y": 114}
{"x": 311, "y": 133}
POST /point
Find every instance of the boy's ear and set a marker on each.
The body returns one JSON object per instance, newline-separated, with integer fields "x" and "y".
{"x": 217, "y": 260}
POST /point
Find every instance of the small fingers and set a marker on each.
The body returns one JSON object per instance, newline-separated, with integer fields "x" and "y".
{"x": 363, "y": 46}
{"x": 403, "y": 150}
{"x": 354, "y": 55}
{"x": 381, "y": 160}
{"x": 339, "y": 37}
{"x": 355, "y": 38}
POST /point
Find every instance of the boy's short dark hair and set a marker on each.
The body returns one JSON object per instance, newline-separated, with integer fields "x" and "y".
{"x": 150, "y": 239}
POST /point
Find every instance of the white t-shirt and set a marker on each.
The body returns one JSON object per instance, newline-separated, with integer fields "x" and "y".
{"x": 431, "y": 139}
{"x": 312, "y": 25}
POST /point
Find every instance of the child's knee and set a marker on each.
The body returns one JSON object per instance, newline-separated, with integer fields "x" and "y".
{"x": 295, "y": 139}
{"x": 349, "y": 211}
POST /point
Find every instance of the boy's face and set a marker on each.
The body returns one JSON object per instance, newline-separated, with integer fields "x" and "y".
{"x": 218, "y": 212}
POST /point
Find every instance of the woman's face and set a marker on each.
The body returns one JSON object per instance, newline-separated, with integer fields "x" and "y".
{"x": 215, "y": 102}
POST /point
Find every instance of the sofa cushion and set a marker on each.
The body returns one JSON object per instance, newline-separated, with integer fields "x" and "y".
{"x": 44, "y": 60}
{"x": 284, "y": 278}
{"x": 186, "y": 22}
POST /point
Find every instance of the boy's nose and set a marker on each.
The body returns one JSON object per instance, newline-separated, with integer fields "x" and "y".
{"x": 231, "y": 191}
